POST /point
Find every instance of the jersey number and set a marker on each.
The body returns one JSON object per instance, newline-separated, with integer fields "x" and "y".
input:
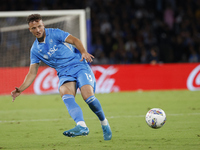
{"x": 89, "y": 77}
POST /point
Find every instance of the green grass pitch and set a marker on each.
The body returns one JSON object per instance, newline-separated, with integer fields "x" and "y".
{"x": 36, "y": 122}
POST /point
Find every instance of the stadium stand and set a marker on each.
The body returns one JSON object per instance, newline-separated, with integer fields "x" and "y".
{"x": 133, "y": 31}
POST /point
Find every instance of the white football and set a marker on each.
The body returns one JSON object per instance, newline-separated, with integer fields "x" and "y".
{"x": 155, "y": 118}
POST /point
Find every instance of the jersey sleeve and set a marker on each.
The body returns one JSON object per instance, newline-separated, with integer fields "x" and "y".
{"x": 33, "y": 58}
{"x": 60, "y": 35}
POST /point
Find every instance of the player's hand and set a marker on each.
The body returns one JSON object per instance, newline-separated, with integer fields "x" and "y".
{"x": 15, "y": 93}
{"x": 88, "y": 57}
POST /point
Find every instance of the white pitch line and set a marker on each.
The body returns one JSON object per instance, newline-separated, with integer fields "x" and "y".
{"x": 111, "y": 117}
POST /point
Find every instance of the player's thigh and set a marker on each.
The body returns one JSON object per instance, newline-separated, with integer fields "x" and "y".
{"x": 86, "y": 91}
{"x": 68, "y": 88}
{"x": 86, "y": 77}
{"x": 86, "y": 83}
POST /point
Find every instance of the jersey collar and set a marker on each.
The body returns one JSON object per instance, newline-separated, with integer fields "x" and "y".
{"x": 47, "y": 33}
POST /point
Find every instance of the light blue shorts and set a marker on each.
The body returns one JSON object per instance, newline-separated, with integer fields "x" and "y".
{"x": 81, "y": 74}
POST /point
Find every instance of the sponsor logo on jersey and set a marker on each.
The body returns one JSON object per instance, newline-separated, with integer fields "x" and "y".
{"x": 52, "y": 50}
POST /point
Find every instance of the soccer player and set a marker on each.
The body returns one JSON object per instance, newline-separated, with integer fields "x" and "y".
{"x": 55, "y": 48}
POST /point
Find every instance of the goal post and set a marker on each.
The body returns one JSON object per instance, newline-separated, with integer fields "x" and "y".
{"x": 15, "y": 38}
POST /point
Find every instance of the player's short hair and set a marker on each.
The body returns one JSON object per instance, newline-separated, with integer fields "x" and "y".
{"x": 33, "y": 17}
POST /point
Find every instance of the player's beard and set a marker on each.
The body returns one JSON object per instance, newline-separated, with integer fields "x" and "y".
{"x": 41, "y": 39}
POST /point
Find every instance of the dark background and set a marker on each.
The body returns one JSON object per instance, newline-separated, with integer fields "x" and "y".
{"x": 133, "y": 31}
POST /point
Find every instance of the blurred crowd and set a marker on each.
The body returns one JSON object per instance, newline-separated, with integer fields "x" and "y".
{"x": 133, "y": 31}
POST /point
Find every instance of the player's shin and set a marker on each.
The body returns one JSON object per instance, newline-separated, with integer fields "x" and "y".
{"x": 95, "y": 106}
{"x": 74, "y": 109}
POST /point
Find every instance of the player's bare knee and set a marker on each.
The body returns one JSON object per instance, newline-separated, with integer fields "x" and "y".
{"x": 86, "y": 94}
{"x": 86, "y": 91}
{"x": 66, "y": 90}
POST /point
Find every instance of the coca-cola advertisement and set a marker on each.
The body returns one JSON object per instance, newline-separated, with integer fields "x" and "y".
{"x": 46, "y": 82}
{"x": 111, "y": 78}
{"x": 193, "y": 80}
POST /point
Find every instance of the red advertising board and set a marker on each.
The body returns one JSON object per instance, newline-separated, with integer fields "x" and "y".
{"x": 111, "y": 78}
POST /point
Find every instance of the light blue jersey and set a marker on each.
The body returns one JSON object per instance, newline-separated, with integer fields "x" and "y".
{"x": 54, "y": 51}
{"x": 63, "y": 57}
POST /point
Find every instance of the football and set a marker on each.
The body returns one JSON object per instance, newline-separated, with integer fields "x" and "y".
{"x": 155, "y": 118}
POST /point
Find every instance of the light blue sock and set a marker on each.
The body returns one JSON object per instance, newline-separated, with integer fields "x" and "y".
{"x": 95, "y": 106}
{"x": 73, "y": 108}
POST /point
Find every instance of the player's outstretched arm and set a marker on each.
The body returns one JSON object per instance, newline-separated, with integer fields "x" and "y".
{"x": 27, "y": 81}
{"x": 85, "y": 55}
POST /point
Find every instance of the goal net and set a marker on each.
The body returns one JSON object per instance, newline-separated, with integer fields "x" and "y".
{"x": 16, "y": 39}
